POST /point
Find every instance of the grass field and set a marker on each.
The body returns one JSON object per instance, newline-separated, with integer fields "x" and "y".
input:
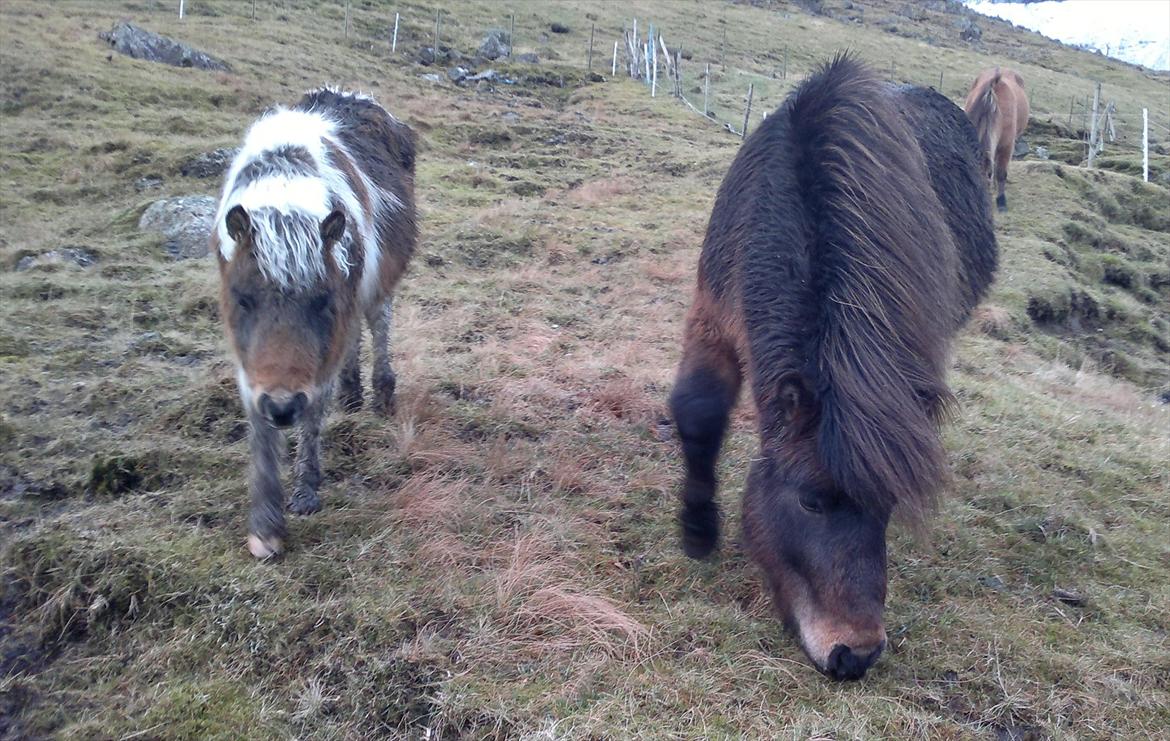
{"x": 500, "y": 560}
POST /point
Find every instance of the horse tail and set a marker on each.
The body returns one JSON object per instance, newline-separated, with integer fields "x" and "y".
{"x": 884, "y": 267}
{"x": 985, "y": 112}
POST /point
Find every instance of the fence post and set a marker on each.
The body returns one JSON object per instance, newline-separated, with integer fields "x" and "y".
{"x": 511, "y": 34}
{"x": 654, "y": 74}
{"x": 1093, "y": 130}
{"x": 723, "y": 51}
{"x": 1146, "y": 145}
{"x": 180, "y": 9}
{"x": 394, "y": 40}
{"x": 435, "y": 48}
{"x": 253, "y": 9}
{"x": 589, "y": 59}
{"x": 1071, "y": 104}
{"x": 940, "y": 75}
{"x": 347, "y": 19}
{"x": 706, "y": 89}
{"x": 613, "y": 72}
{"x": 785, "y": 75}
{"x": 747, "y": 114}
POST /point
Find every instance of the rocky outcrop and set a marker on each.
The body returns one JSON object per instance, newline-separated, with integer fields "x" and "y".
{"x": 128, "y": 39}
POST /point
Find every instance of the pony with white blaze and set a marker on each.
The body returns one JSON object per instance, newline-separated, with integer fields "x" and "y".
{"x": 315, "y": 227}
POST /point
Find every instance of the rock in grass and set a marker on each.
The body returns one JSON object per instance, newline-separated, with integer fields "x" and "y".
{"x": 208, "y": 164}
{"x": 558, "y": 28}
{"x": 184, "y": 221}
{"x": 128, "y": 39}
{"x": 82, "y": 257}
{"x": 495, "y": 44}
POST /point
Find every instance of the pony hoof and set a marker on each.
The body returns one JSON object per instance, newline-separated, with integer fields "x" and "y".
{"x": 304, "y": 504}
{"x": 700, "y": 530}
{"x": 386, "y": 406}
{"x": 264, "y": 548}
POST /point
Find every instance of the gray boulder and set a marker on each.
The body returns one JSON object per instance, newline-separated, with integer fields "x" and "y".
{"x": 969, "y": 30}
{"x": 495, "y": 44}
{"x": 1020, "y": 148}
{"x": 208, "y": 164}
{"x": 185, "y": 222}
{"x": 128, "y": 39}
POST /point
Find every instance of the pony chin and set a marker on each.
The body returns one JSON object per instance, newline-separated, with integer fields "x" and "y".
{"x": 251, "y": 392}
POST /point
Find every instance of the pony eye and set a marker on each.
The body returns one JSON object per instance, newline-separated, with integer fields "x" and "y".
{"x": 810, "y": 502}
{"x": 320, "y": 304}
{"x": 245, "y": 302}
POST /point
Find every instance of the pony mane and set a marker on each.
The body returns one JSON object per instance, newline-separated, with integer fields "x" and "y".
{"x": 879, "y": 287}
{"x": 286, "y": 178}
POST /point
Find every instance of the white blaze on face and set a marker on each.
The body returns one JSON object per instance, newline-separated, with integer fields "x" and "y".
{"x": 245, "y": 386}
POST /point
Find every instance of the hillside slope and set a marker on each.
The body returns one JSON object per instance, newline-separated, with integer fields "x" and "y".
{"x": 500, "y": 560}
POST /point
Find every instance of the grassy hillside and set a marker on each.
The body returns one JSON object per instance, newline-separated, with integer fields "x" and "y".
{"x": 500, "y": 559}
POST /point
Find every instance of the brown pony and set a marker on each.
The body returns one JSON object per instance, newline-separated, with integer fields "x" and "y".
{"x": 315, "y": 228}
{"x": 849, "y": 242}
{"x": 998, "y": 107}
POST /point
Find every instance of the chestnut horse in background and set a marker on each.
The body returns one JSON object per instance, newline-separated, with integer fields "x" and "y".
{"x": 998, "y": 106}
{"x": 849, "y": 242}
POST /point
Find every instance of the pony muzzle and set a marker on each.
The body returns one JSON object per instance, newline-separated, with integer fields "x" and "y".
{"x": 843, "y": 655}
{"x": 282, "y": 409}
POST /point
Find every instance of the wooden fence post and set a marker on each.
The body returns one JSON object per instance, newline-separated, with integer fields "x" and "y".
{"x": 654, "y": 74}
{"x": 589, "y": 59}
{"x": 723, "y": 51}
{"x": 785, "y": 75}
{"x": 747, "y": 114}
{"x": 706, "y": 89}
{"x": 1146, "y": 145}
{"x": 253, "y": 9}
{"x": 435, "y": 48}
{"x": 1093, "y": 130}
{"x": 347, "y": 19}
{"x": 511, "y": 34}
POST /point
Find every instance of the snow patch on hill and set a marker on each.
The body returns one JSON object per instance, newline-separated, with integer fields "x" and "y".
{"x": 1134, "y": 31}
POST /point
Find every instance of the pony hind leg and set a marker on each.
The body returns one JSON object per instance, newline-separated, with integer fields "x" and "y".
{"x": 1001, "y": 167}
{"x": 380, "y": 317}
{"x": 307, "y": 470}
{"x": 349, "y": 382}
{"x": 704, "y": 393}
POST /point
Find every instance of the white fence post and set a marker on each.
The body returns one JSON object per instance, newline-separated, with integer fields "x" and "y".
{"x": 1146, "y": 145}
{"x": 613, "y": 72}
{"x": 654, "y": 74}
{"x": 394, "y": 41}
{"x": 1093, "y": 125}
{"x": 706, "y": 89}
{"x": 180, "y": 9}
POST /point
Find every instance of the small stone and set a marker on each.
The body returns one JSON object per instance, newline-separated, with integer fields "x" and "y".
{"x": 456, "y": 74}
{"x": 1069, "y": 598}
{"x": 148, "y": 182}
{"x": 528, "y": 58}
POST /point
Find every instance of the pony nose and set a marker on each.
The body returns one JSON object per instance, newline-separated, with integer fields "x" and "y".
{"x": 284, "y": 412}
{"x": 846, "y": 664}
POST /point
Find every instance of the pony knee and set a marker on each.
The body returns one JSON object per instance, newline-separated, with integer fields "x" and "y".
{"x": 701, "y": 405}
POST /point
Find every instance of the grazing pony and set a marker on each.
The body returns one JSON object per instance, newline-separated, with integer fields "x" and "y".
{"x": 998, "y": 107}
{"x": 849, "y": 241}
{"x": 315, "y": 227}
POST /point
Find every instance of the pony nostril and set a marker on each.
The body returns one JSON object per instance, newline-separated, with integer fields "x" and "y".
{"x": 844, "y": 664}
{"x": 282, "y": 413}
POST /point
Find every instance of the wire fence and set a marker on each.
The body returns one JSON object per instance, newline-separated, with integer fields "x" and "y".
{"x": 691, "y": 69}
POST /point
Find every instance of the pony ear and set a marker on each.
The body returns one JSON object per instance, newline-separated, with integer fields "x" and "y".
{"x": 333, "y": 227}
{"x": 794, "y": 397}
{"x": 238, "y": 223}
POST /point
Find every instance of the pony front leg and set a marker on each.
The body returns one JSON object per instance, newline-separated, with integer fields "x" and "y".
{"x": 379, "y": 317}
{"x": 266, "y": 527}
{"x": 701, "y": 402}
{"x": 307, "y": 470}
{"x": 349, "y": 383}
